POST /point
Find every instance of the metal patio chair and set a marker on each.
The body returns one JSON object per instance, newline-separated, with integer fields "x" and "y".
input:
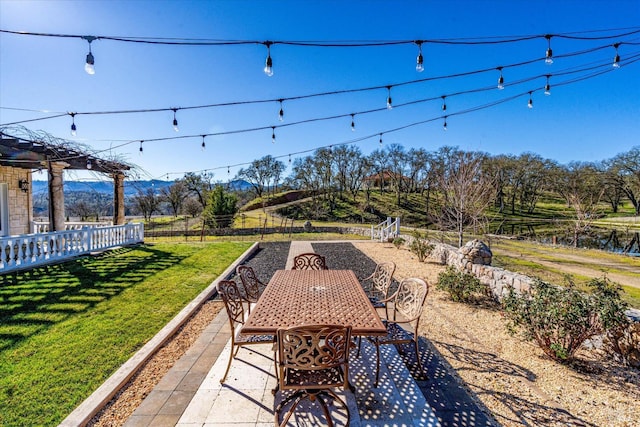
{"x": 253, "y": 287}
{"x": 234, "y": 304}
{"x": 309, "y": 261}
{"x": 408, "y": 302}
{"x": 312, "y": 361}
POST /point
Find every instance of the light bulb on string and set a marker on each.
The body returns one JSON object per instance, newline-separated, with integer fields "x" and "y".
{"x": 616, "y": 59}
{"x": 500, "y": 79}
{"x": 175, "y": 120}
{"x": 203, "y": 144}
{"x": 89, "y": 165}
{"x": 289, "y": 158}
{"x": 141, "y": 150}
{"x": 444, "y": 126}
{"x": 549, "y": 55}
{"x": 530, "y": 104}
{"x": 389, "y": 102}
{"x": 547, "y": 86}
{"x": 273, "y": 134}
{"x": 419, "y": 59}
{"x": 268, "y": 63}
{"x": 228, "y": 170}
{"x": 73, "y": 124}
{"x": 281, "y": 112}
{"x": 444, "y": 103}
{"x": 90, "y": 61}
{"x": 380, "y": 140}
{"x": 353, "y": 123}
{"x": 167, "y": 177}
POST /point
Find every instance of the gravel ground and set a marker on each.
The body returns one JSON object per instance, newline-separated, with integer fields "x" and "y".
{"x": 512, "y": 378}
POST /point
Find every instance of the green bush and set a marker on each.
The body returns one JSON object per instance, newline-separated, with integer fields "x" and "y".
{"x": 420, "y": 245}
{"x": 398, "y": 242}
{"x": 561, "y": 319}
{"x": 460, "y": 285}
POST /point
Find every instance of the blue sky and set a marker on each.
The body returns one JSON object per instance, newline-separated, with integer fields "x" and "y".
{"x": 588, "y": 120}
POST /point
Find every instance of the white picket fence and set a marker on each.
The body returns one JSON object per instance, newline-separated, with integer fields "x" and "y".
{"x": 31, "y": 250}
{"x": 387, "y": 229}
{"x": 43, "y": 226}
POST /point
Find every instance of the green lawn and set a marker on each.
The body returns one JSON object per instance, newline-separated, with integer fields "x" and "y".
{"x": 64, "y": 329}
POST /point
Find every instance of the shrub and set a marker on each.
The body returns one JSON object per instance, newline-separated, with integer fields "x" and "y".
{"x": 561, "y": 319}
{"x": 398, "y": 242}
{"x": 460, "y": 285}
{"x": 420, "y": 245}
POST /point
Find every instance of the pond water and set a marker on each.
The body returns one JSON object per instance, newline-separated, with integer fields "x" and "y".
{"x": 609, "y": 239}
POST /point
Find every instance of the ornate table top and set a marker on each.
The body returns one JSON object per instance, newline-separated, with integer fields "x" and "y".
{"x": 299, "y": 297}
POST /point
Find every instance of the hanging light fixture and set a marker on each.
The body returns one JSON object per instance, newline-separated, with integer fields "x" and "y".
{"x": 141, "y": 150}
{"x": 444, "y": 126}
{"x": 268, "y": 63}
{"x": 89, "y": 165}
{"x": 530, "y": 104}
{"x": 547, "y": 87}
{"x": 175, "y": 120}
{"x": 353, "y": 123}
{"x": 273, "y": 134}
{"x": 419, "y": 59}
{"x": 289, "y": 158}
{"x": 90, "y": 61}
{"x": 444, "y": 103}
{"x": 616, "y": 59}
{"x": 73, "y": 124}
{"x": 203, "y": 144}
{"x": 380, "y": 140}
{"x": 281, "y": 112}
{"x": 500, "y": 79}
{"x": 549, "y": 55}
{"x": 389, "y": 102}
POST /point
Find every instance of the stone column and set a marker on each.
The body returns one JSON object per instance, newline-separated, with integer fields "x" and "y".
{"x": 118, "y": 198}
{"x": 56, "y": 196}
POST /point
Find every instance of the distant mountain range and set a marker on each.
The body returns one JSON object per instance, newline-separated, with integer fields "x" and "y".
{"x": 131, "y": 188}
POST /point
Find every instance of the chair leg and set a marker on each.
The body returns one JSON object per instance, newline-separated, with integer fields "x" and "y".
{"x": 325, "y": 409}
{"x": 232, "y": 354}
{"x": 377, "y": 343}
{"x": 296, "y": 398}
{"x": 424, "y": 375}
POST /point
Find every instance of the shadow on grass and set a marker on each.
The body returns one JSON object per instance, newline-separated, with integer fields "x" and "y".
{"x": 33, "y": 301}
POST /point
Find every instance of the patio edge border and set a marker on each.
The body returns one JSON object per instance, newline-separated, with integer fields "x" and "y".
{"x": 103, "y": 394}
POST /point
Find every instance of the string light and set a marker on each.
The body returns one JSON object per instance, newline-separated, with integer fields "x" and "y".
{"x": 141, "y": 150}
{"x": 549, "y": 55}
{"x": 530, "y": 104}
{"x": 281, "y": 112}
{"x": 380, "y": 140}
{"x": 203, "y": 144}
{"x": 175, "y": 120}
{"x": 444, "y": 126}
{"x": 89, "y": 64}
{"x": 228, "y": 170}
{"x": 444, "y": 103}
{"x": 616, "y": 59}
{"x": 167, "y": 176}
{"x": 389, "y": 102}
{"x": 268, "y": 63}
{"x": 547, "y": 87}
{"x": 500, "y": 79}
{"x": 289, "y": 158}
{"x": 353, "y": 123}
{"x": 89, "y": 165}
{"x": 273, "y": 134}
{"x": 419, "y": 59}
{"x": 73, "y": 124}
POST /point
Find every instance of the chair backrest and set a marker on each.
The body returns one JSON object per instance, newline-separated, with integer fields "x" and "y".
{"x": 252, "y": 286}
{"x": 382, "y": 277}
{"x": 233, "y": 302}
{"x": 309, "y": 261}
{"x": 410, "y": 297}
{"x": 314, "y": 348}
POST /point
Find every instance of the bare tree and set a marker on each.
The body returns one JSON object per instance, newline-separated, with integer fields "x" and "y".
{"x": 581, "y": 185}
{"x": 464, "y": 192}
{"x": 263, "y": 174}
{"x": 147, "y": 203}
{"x": 199, "y": 186}
{"x": 174, "y": 195}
